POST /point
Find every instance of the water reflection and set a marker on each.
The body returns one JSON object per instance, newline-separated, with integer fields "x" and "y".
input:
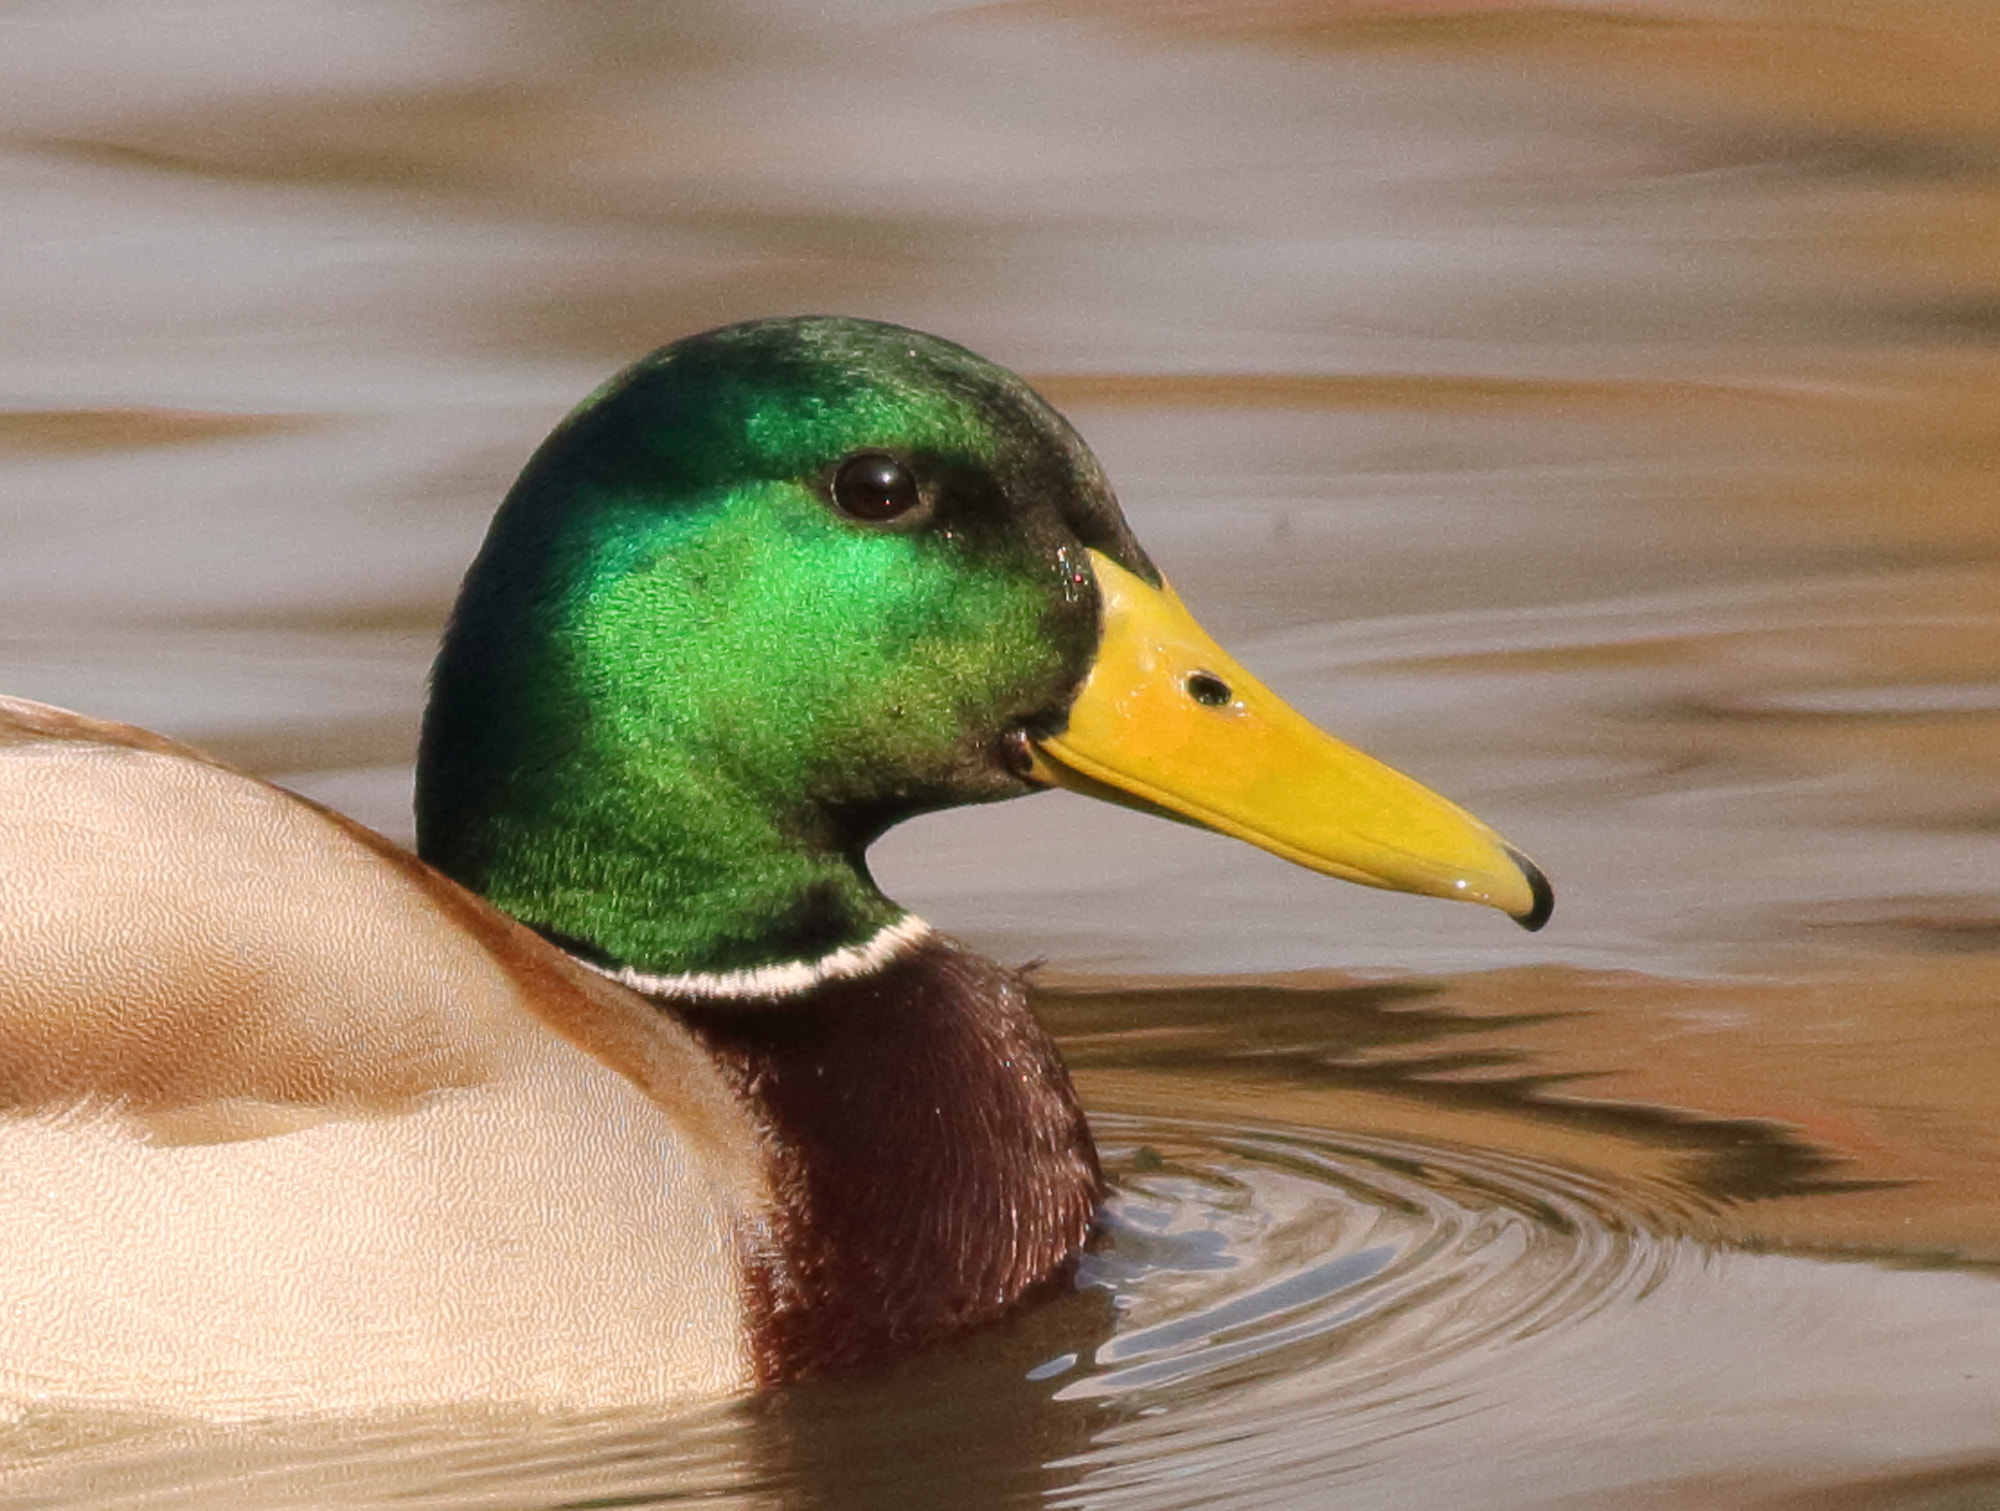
{"x": 1407, "y": 1055}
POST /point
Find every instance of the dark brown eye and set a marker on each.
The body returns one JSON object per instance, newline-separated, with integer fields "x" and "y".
{"x": 874, "y": 486}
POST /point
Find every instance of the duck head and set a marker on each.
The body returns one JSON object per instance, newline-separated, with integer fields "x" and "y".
{"x": 781, "y": 586}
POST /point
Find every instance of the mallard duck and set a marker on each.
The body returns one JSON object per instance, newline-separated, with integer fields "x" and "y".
{"x": 630, "y": 1085}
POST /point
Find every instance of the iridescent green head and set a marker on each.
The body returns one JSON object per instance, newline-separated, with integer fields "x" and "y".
{"x": 770, "y": 591}
{"x": 780, "y": 586}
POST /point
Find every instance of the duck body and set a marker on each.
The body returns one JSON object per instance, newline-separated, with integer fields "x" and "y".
{"x": 403, "y": 1151}
{"x": 633, "y": 1087}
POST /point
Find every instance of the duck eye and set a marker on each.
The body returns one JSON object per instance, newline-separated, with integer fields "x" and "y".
{"x": 874, "y": 486}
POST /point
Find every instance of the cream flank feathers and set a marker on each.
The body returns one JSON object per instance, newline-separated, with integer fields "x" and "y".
{"x": 313, "y": 1129}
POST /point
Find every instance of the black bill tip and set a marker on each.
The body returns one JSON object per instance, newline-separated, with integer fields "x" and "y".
{"x": 1538, "y": 884}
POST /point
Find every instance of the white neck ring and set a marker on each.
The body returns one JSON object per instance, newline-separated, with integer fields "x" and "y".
{"x": 791, "y": 978}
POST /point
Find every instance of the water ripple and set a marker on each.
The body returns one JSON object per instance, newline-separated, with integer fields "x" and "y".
{"x": 1271, "y": 1274}
{"x": 1237, "y": 1252}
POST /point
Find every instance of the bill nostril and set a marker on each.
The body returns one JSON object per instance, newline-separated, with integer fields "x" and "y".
{"x": 1209, "y": 690}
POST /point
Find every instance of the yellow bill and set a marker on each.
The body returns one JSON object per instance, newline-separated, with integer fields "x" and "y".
{"x": 1168, "y": 721}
